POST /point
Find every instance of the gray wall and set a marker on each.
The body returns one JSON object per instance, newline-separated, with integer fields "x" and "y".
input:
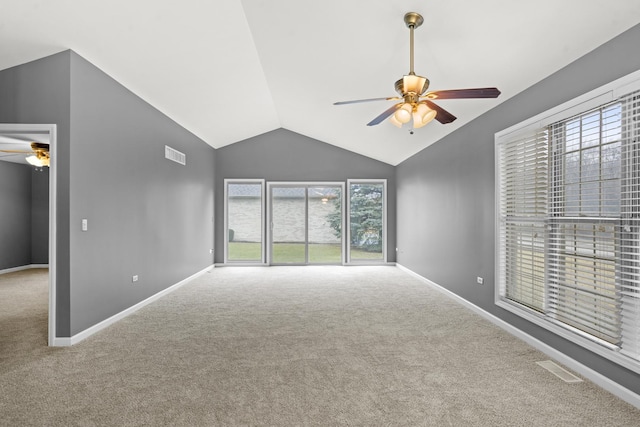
{"x": 451, "y": 184}
{"x": 15, "y": 215}
{"x": 39, "y": 92}
{"x": 147, "y": 216}
{"x": 282, "y": 155}
{"x": 24, "y": 209}
{"x": 39, "y": 216}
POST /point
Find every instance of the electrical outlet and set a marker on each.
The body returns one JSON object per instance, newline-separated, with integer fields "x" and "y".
{"x": 210, "y": 251}
{"x": 480, "y": 280}
{"x": 134, "y": 278}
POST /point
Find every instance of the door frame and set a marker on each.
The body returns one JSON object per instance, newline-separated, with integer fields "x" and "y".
{"x": 51, "y": 129}
{"x": 306, "y": 185}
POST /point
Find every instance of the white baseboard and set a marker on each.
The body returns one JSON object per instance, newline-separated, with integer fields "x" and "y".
{"x": 23, "y": 267}
{"x": 39, "y": 266}
{"x": 61, "y": 342}
{"x": 595, "y": 377}
{"x": 65, "y": 342}
{"x": 240, "y": 264}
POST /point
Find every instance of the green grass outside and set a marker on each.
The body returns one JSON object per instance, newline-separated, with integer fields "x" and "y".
{"x": 244, "y": 251}
{"x": 294, "y": 253}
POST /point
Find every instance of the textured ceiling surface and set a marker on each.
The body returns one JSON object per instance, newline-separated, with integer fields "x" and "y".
{"x": 231, "y": 70}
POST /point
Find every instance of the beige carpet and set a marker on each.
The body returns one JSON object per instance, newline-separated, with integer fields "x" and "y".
{"x": 286, "y": 346}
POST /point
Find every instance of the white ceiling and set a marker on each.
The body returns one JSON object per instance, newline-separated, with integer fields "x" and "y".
{"x": 230, "y": 70}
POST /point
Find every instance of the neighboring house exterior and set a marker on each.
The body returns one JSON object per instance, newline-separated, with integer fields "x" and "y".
{"x": 288, "y": 213}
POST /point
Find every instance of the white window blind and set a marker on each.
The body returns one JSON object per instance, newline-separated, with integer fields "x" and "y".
{"x": 523, "y": 207}
{"x": 585, "y": 209}
{"x": 569, "y": 223}
{"x": 629, "y": 228}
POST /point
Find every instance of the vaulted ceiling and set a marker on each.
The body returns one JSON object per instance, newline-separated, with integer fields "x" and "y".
{"x": 231, "y": 70}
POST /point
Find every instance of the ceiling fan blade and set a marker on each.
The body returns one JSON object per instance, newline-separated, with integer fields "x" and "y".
{"x": 485, "y": 92}
{"x": 357, "y": 101}
{"x": 16, "y": 151}
{"x": 442, "y": 115}
{"x": 385, "y": 114}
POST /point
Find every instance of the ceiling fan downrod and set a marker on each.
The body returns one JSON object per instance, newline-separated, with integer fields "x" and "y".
{"x": 413, "y": 21}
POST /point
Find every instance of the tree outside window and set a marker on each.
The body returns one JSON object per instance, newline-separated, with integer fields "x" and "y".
{"x": 366, "y": 206}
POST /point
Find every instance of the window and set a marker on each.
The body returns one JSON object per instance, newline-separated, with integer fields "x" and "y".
{"x": 244, "y": 219}
{"x": 584, "y": 212}
{"x": 306, "y": 222}
{"x": 568, "y": 233}
{"x": 367, "y": 221}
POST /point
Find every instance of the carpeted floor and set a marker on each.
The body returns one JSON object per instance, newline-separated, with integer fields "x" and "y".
{"x": 286, "y": 346}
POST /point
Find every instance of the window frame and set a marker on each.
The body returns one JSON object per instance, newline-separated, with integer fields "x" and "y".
{"x": 598, "y": 97}
{"x": 347, "y": 237}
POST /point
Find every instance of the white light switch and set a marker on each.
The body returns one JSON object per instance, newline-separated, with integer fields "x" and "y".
{"x": 85, "y": 225}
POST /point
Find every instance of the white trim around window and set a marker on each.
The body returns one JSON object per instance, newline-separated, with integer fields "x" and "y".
{"x": 519, "y": 219}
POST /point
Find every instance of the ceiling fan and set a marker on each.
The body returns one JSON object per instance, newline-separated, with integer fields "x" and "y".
{"x": 417, "y": 103}
{"x": 39, "y": 154}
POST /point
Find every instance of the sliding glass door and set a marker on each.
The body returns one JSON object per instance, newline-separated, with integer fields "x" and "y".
{"x": 305, "y": 223}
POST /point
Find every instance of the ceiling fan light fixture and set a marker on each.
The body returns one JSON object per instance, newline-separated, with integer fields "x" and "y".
{"x": 395, "y": 121}
{"x": 422, "y": 115}
{"x": 40, "y": 157}
{"x": 403, "y": 114}
{"x": 35, "y": 161}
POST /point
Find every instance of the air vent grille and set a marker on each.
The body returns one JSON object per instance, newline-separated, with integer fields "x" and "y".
{"x": 559, "y": 372}
{"x": 174, "y": 155}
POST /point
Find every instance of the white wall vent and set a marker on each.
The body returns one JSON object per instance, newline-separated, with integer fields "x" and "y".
{"x": 175, "y": 155}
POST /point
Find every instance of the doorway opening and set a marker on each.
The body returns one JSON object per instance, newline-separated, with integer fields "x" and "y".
{"x": 45, "y": 134}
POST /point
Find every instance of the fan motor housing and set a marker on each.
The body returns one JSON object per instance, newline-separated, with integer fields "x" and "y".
{"x": 399, "y": 86}
{"x": 39, "y": 146}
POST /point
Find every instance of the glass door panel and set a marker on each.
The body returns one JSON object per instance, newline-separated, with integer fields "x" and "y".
{"x": 289, "y": 227}
{"x": 325, "y": 225}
